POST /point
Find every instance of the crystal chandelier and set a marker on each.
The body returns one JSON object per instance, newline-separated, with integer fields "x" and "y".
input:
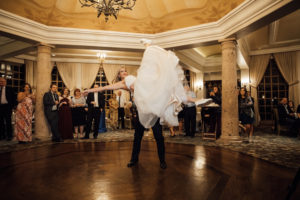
{"x": 108, "y": 7}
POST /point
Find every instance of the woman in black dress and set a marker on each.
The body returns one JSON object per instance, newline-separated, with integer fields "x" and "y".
{"x": 246, "y": 114}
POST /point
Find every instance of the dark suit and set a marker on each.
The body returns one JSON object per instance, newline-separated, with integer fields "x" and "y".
{"x": 138, "y": 135}
{"x": 5, "y": 113}
{"x": 94, "y": 113}
{"x": 286, "y": 119}
{"x": 52, "y": 115}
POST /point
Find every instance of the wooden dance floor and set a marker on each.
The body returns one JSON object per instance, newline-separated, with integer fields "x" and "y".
{"x": 98, "y": 171}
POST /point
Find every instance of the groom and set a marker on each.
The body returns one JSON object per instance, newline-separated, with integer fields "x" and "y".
{"x": 138, "y": 135}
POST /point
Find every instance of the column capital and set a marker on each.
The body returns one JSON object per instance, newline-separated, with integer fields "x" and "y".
{"x": 233, "y": 39}
{"x": 45, "y": 45}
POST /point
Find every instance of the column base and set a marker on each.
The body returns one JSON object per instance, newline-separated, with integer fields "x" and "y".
{"x": 229, "y": 139}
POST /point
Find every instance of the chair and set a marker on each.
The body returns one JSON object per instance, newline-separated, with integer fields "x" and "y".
{"x": 277, "y": 126}
{"x": 206, "y": 113}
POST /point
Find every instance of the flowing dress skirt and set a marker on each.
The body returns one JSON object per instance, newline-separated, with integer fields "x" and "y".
{"x": 23, "y": 125}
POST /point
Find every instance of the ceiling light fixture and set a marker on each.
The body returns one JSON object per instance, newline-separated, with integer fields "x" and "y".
{"x": 108, "y": 7}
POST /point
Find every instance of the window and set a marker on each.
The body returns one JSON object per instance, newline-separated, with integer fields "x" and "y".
{"x": 14, "y": 74}
{"x": 56, "y": 79}
{"x": 270, "y": 90}
{"x": 102, "y": 81}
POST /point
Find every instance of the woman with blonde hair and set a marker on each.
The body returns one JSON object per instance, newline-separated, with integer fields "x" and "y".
{"x": 158, "y": 94}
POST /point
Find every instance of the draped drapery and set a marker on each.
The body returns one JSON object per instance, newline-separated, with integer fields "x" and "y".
{"x": 77, "y": 75}
{"x": 258, "y": 66}
{"x": 286, "y": 63}
{"x": 67, "y": 72}
{"x": 192, "y": 81}
{"x": 111, "y": 71}
{"x": 88, "y": 74}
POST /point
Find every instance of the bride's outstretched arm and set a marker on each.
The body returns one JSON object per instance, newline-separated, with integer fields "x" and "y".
{"x": 115, "y": 86}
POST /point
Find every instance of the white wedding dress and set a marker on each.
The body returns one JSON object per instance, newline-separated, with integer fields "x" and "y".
{"x": 158, "y": 88}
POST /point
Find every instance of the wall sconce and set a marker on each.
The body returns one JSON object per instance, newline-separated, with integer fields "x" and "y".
{"x": 101, "y": 56}
{"x": 199, "y": 85}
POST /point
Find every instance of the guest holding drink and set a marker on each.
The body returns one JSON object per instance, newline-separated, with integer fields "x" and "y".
{"x": 65, "y": 125}
{"x": 24, "y": 112}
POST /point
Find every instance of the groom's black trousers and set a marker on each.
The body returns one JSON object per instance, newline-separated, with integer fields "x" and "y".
{"x": 138, "y": 135}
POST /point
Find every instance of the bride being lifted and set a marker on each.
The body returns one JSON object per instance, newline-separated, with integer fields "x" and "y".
{"x": 158, "y": 88}
{"x": 158, "y": 93}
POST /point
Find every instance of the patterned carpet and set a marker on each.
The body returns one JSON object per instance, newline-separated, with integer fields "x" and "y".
{"x": 281, "y": 150}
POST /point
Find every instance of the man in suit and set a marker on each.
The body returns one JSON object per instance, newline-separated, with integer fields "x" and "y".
{"x": 96, "y": 105}
{"x": 7, "y": 103}
{"x": 286, "y": 118}
{"x": 51, "y": 101}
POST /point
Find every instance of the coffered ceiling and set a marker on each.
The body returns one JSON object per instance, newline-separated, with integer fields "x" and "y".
{"x": 148, "y": 16}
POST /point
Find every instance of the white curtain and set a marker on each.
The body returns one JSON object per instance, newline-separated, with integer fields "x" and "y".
{"x": 111, "y": 70}
{"x": 286, "y": 63}
{"x": 88, "y": 74}
{"x": 67, "y": 72}
{"x": 257, "y": 68}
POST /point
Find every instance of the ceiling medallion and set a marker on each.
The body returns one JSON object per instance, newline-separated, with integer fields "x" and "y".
{"x": 108, "y": 7}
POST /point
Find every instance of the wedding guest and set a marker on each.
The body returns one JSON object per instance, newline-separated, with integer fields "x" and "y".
{"x": 65, "y": 125}
{"x": 123, "y": 97}
{"x": 291, "y": 108}
{"x": 24, "y": 113}
{"x": 246, "y": 114}
{"x": 78, "y": 112}
{"x": 7, "y": 103}
{"x": 216, "y": 112}
{"x": 51, "y": 101}
{"x": 113, "y": 111}
{"x": 96, "y": 104}
{"x": 190, "y": 113}
{"x": 287, "y": 118}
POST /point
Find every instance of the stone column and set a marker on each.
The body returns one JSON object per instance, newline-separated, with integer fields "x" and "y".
{"x": 229, "y": 91}
{"x": 43, "y": 81}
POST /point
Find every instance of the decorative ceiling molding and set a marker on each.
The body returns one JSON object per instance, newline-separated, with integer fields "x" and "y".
{"x": 80, "y": 60}
{"x": 275, "y": 50}
{"x": 207, "y": 62}
{"x": 239, "y": 18}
